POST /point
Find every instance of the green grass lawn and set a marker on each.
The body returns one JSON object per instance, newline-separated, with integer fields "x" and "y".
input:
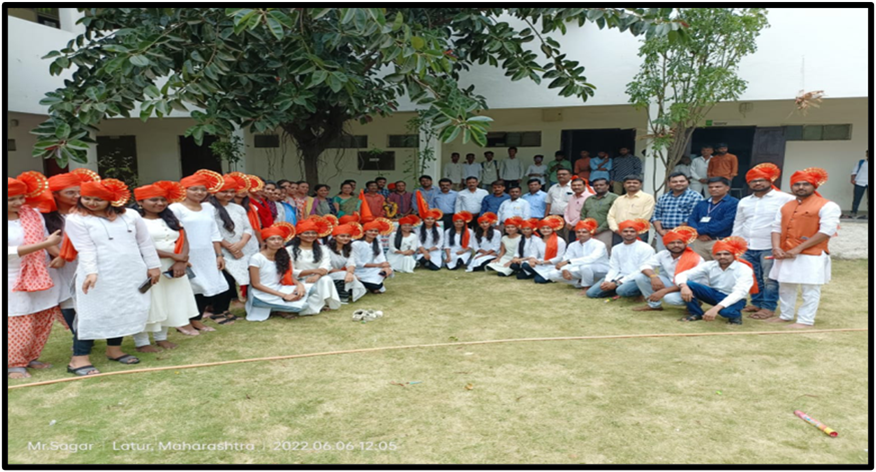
{"x": 656, "y": 400}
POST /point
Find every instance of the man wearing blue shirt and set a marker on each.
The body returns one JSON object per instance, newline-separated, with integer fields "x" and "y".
{"x": 713, "y": 218}
{"x": 536, "y": 199}
{"x": 493, "y": 201}
{"x": 445, "y": 200}
{"x": 600, "y": 166}
{"x": 428, "y": 192}
{"x": 674, "y": 208}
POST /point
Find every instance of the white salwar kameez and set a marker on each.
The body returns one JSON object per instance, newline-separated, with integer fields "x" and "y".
{"x": 327, "y": 294}
{"x": 238, "y": 269}
{"x": 808, "y": 272}
{"x": 545, "y": 270}
{"x": 485, "y": 245}
{"x": 400, "y": 262}
{"x": 25, "y": 303}
{"x": 511, "y": 245}
{"x": 201, "y": 232}
{"x": 363, "y": 253}
{"x": 588, "y": 262}
{"x": 172, "y": 299}
{"x": 119, "y": 252}
{"x": 457, "y": 246}
{"x": 269, "y": 277}
{"x": 338, "y": 261}
{"x": 437, "y": 256}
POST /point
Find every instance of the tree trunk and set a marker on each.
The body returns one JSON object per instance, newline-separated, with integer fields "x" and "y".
{"x": 314, "y": 135}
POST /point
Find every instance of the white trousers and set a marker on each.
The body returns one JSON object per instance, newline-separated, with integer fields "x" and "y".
{"x": 142, "y": 339}
{"x": 788, "y": 300}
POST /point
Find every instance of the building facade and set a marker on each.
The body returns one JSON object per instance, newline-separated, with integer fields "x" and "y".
{"x": 801, "y": 50}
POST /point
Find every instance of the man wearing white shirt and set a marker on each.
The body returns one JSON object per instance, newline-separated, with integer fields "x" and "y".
{"x": 861, "y": 182}
{"x": 754, "y": 214}
{"x": 470, "y": 168}
{"x": 675, "y": 259}
{"x": 585, "y": 260}
{"x": 511, "y": 169}
{"x": 727, "y": 282}
{"x": 489, "y": 170}
{"x": 801, "y": 232}
{"x": 470, "y": 198}
{"x": 626, "y": 261}
{"x": 559, "y": 194}
{"x": 699, "y": 170}
{"x": 516, "y": 206}
{"x": 537, "y": 170}
{"x": 453, "y": 170}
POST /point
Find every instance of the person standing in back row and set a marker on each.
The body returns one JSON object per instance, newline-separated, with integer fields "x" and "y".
{"x": 723, "y": 164}
{"x": 489, "y": 170}
{"x": 861, "y": 182}
{"x": 511, "y": 169}
{"x": 454, "y": 171}
{"x": 582, "y": 166}
{"x": 622, "y": 165}
{"x": 699, "y": 170}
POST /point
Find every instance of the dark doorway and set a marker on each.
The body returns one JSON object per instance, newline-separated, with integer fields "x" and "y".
{"x": 740, "y": 141}
{"x": 117, "y": 158}
{"x": 51, "y": 167}
{"x": 594, "y": 140}
{"x": 194, "y": 157}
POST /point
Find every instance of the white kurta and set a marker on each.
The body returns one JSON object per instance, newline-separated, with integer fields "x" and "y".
{"x": 511, "y": 246}
{"x": 400, "y": 262}
{"x": 436, "y": 256}
{"x": 24, "y": 303}
{"x": 587, "y": 262}
{"x": 338, "y": 261}
{"x": 364, "y": 254}
{"x": 805, "y": 268}
{"x": 545, "y": 270}
{"x": 238, "y": 268}
{"x": 457, "y": 246}
{"x": 627, "y": 260}
{"x": 486, "y": 245}
{"x": 201, "y": 232}
{"x": 530, "y": 246}
{"x": 119, "y": 252}
{"x": 269, "y": 277}
{"x": 327, "y": 293}
{"x": 172, "y": 300}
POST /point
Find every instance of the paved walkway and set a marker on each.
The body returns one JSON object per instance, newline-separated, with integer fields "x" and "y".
{"x": 852, "y": 240}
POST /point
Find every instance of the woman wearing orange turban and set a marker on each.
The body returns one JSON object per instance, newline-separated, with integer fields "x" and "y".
{"x": 548, "y": 252}
{"x": 313, "y": 263}
{"x": 31, "y": 295}
{"x": 458, "y": 241}
{"x": 239, "y": 239}
{"x": 431, "y": 241}
{"x": 115, "y": 254}
{"x": 403, "y": 245}
{"x": 508, "y": 250}
{"x": 273, "y": 285}
{"x": 343, "y": 264}
{"x": 371, "y": 265}
{"x": 487, "y": 242}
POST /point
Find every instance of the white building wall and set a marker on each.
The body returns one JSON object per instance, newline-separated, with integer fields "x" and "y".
{"x": 20, "y": 159}
{"x": 157, "y": 140}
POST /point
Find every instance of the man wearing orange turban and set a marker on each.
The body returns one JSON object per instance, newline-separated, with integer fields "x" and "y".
{"x": 585, "y": 260}
{"x": 675, "y": 259}
{"x": 723, "y": 283}
{"x": 800, "y": 235}
{"x": 625, "y": 262}
{"x": 754, "y": 214}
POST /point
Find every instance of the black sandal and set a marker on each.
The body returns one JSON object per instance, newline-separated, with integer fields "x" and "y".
{"x": 221, "y": 319}
{"x": 123, "y": 359}
{"x": 83, "y": 371}
{"x": 691, "y": 318}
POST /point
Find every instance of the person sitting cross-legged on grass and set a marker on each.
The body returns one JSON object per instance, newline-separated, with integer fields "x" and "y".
{"x": 675, "y": 259}
{"x": 272, "y": 284}
{"x": 626, "y": 261}
{"x": 526, "y": 248}
{"x": 586, "y": 258}
{"x": 458, "y": 241}
{"x": 548, "y": 251}
{"x": 728, "y": 280}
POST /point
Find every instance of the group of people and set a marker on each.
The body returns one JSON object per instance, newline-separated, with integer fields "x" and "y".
{"x": 107, "y": 262}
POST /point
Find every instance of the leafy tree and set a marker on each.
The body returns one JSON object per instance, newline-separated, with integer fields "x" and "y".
{"x": 307, "y": 71}
{"x": 685, "y": 79}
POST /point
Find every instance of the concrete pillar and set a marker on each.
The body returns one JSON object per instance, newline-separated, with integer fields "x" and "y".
{"x": 91, "y": 155}
{"x": 652, "y": 163}
{"x": 68, "y": 18}
{"x": 430, "y": 147}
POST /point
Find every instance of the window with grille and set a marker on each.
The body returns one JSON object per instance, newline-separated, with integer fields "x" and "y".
{"x": 516, "y": 139}
{"x": 44, "y": 16}
{"x": 350, "y": 142}
{"x": 404, "y": 141}
{"x": 818, "y": 133}
{"x": 384, "y": 160}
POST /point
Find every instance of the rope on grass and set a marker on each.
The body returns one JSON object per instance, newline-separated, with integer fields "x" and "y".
{"x": 421, "y": 346}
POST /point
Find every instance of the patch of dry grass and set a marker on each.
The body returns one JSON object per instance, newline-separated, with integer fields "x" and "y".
{"x": 600, "y": 401}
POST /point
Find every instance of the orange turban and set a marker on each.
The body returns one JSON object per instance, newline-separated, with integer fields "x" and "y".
{"x": 381, "y": 224}
{"x": 434, "y": 213}
{"x": 111, "y": 190}
{"x": 62, "y": 181}
{"x": 172, "y": 191}
{"x": 305, "y": 226}
{"x": 354, "y": 218}
{"x": 639, "y": 224}
{"x": 355, "y": 230}
{"x": 283, "y": 229}
{"x": 463, "y": 216}
{"x": 689, "y": 259}
{"x": 15, "y": 187}
{"x": 196, "y": 180}
{"x": 588, "y": 224}
{"x": 767, "y": 171}
{"x": 814, "y": 175}
{"x": 488, "y": 216}
{"x": 515, "y": 221}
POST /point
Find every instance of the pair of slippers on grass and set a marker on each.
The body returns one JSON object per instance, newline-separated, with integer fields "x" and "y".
{"x": 366, "y": 315}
